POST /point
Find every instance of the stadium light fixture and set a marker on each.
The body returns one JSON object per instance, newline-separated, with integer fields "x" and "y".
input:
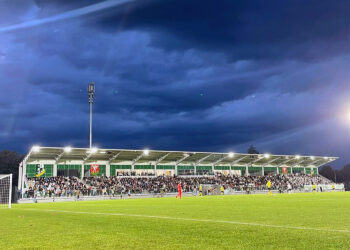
{"x": 297, "y": 157}
{"x": 231, "y": 154}
{"x": 91, "y": 92}
{"x": 146, "y": 152}
{"x": 67, "y": 149}
{"x": 93, "y": 150}
{"x": 312, "y": 158}
{"x": 326, "y": 158}
{"x": 35, "y": 149}
{"x": 267, "y": 156}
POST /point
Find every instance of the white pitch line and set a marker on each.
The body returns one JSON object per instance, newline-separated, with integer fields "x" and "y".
{"x": 191, "y": 219}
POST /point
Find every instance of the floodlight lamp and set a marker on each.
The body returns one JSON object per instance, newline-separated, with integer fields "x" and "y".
{"x": 267, "y": 156}
{"x": 231, "y": 154}
{"x": 312, "y": 158}
{"x": 67, "y": 149}
{"x": 146, "y": 152}
{"x": 326, "y": 158}
{"x": 91, "y": 88}
{"x": 297, "y": 157}
{"x": 93, "y": 150}
{"x": 35, "y": 149}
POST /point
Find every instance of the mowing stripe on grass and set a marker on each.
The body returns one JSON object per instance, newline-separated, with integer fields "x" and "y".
{"x": 190, "y": 219}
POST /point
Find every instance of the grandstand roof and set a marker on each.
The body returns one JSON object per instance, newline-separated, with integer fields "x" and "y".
{"x": 161, "y": 157}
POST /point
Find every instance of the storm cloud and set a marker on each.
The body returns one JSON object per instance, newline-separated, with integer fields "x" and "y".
{"x": 178, "y": 75}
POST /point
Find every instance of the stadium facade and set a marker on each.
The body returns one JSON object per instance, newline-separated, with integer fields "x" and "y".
{"x": 81, "y": 162}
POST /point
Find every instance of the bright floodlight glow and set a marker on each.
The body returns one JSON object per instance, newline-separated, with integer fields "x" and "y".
{"x": 93, "y": 150}
{"x": 146, "y": 152}
{"x": 67, "y": 149}
{"x": 35, "y": 149}
{"x": 297, "y": 156}
{"x": 267, "y": 156}
{"x": 231, "y": 154}
{"x": 326, "y": 158}
{"x": 312, "y": 158}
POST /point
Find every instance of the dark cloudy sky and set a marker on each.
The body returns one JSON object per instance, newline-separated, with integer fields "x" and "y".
{"x": 177, "y": 75}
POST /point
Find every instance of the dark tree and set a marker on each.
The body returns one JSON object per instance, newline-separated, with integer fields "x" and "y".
{"x": 252, "y": 150}
{"x": 9, "y": 163}
{"x": 344, "y": 173}
{"x": 328, "y": 172}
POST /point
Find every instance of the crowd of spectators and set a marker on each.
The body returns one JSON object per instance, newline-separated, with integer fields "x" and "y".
{"x": 134, "y": 173}
{"x": 117, "y": 185}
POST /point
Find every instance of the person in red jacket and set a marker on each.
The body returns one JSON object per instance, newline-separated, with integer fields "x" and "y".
{"x": 179, "y": 190}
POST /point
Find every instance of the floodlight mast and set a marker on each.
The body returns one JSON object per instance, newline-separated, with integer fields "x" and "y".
{"x": 91, "y": 92}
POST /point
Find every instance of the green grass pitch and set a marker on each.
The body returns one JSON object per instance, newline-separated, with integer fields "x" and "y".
{"x": 295, "y": 221}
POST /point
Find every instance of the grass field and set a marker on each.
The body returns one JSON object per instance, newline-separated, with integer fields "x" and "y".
{"x": 296, "y": 221}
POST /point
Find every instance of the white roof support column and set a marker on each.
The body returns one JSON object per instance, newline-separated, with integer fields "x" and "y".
{"x": 218, "y": 161}
{"x": 296, "y": 164}
{"x": 82, "y": 175}
{"x": 20, "y": 174}
{"x": 200, "y": 160}
{"x": 84, "y": 162}
{"x": 108, "y": 165}
{"x": 269, "y": 162}
{"x": 24, "y": 170}
{"x": 24, "y": 173}
{"x": 108, "y": 170}
{"x": 159, "y": 160}
{"x": 135, "y": 160}
{"x": 56, "y": 162}
{"x": 179, "y": 161}
{"x": 238, "y": 160}
{"x": 54, "y": 169}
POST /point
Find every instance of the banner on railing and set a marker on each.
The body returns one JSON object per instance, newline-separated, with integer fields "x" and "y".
{"x": 325, "y": 187}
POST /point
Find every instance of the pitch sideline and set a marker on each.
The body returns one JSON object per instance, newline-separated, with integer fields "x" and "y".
{"x": 190, "y": 219}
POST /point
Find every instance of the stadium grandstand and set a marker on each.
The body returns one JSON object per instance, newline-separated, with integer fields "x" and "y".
{"x": 66, "y": 171}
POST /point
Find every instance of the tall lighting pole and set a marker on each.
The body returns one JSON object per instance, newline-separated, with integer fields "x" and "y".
{"x": 91, "y": 92}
